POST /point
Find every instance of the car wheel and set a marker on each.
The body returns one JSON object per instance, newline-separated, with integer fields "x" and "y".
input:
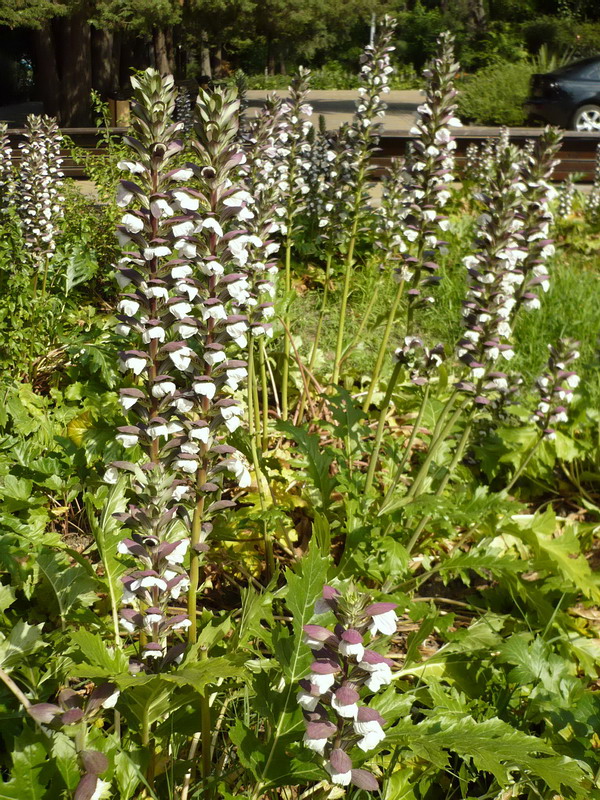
{"x": 587, "y": 119}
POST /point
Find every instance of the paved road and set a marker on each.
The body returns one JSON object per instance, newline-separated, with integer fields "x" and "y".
{"x": 338, "y": 106}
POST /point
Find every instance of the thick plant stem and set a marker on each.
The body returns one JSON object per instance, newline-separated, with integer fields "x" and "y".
{"x": 363, "y": 324}
{"x": 195, "y": 557}
{"x": 253, "y": 388}
{"x": 441, "y": 430}
{"x": 316, "y": 340}
{"x": 285, "y": 371}
{"x": 268, "y": 543}
{"x": 407, "y": 451}
{"x": 264, "y": 387}
{"x": 524, "y": 464}
{"x": 344, "y": 304}
{"x": 205, "y": 726}
{"x": 383, "y": 346}
{"x": 381, "y": 426}
{"x": 444, "y": 482}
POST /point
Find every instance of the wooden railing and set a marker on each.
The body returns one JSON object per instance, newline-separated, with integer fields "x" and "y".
{"x": 577, "y": 154}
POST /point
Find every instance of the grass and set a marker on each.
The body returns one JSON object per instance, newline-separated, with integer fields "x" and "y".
{"x": 569, "y": 308}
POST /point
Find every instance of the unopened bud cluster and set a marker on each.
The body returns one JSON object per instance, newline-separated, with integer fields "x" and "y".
{"x": 346, "y": 668}
{"x": 421, "y": 362}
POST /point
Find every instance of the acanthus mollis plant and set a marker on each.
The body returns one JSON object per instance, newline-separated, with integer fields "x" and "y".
{"x": 7, "y": 178}
{"x": 566, "y": 198}
{"x": 73, "y": 716}
{"x": 150, "y": 313}
{"x": 347, "y": 672}
{"x": 356, "y": 145}
{"x": 537, "y": 167}
{"x": 556, "y": 386}
{"x": 38, "y": 188}
{"x": 292, "y": 169}
{"x": 184, "y": 109}
{"x": 423, "y": 191}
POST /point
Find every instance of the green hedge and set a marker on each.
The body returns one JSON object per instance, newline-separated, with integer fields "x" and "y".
{"x": 495, "y": 95}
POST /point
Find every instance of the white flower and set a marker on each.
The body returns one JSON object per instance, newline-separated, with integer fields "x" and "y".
{"x": 185, "y": 200}
{"x": 181, "y": 358}
{"x": 384, "y": 623}
{"x": 307, "y": 701}
{"x": 136, "y": 364}
{"x": 239, "y": 470}
{"x": 372, "y": 734}
{"x": 177, "y": 555}
{"x": 216, "y": 311}
{"x": 188, "y": 465}
{"x": 162, "y": 389}
{"x": 205, "y": 389}
{"x": 183, "y": 229}
{"x": 127, "y": 439}
{"x": 339, "y": 778}
{"x": 182, "y": 404}
{"x": 102, "y": 790}
{"x": 156, "y": 332}
{"x": 111, "y": 476}
{"x": 322, "y": 682}
{"x": 128, "y": 307}
{"x": 132, "y": 223}
{"x": 182, "y": 271}
{"x": 238, "y": 290}
{"x": 181, "y": 175}
{"x": 180, "y": 310}
{"x": 318, "y": 745}
{"x": 202, "y": 434}
{"x": 148, "y": 582}
{"x": 211, "y": 224}
{"x": 235, "y": 377}
{"x": 348, "y": 711}
{"x": 381, "y": 675}
{"x": 131, "y": 166}
{"x": 213, "y": 357}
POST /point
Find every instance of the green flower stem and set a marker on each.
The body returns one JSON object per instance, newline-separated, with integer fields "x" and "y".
{"x": 253, "y": 432}
{"x": 440, "y": 432}
{"x": 286, "y": 319}
{"x": 407, "y": 451}
{"x": 318, "y": 331}
{"x": 205, "y": 726}
{"x": 383, "y": 346}
{"x": 265, "y": 394}
{"x": 363, "y": 324}
{"x": 524, "y": 464}
{"x": 344, "y": 304}
{"x": 381, "y": 426}
{"x": 458, "y": 454}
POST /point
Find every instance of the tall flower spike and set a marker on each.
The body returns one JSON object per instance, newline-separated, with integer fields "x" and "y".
{"x": 556, "y": 387}
{"x": 538, "y": 165}
{"x": 592, "y": 202}
{"x": 345, "y": 670}
{"x": 566, "y": 198}
{"x": 7, "y": 178}
{"x": 39, "y": 184}
{"x": 157, "y": 358}
{"x": 493, "y": 273}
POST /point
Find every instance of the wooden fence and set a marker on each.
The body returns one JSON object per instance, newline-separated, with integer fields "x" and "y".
{"x": 577, "y": 154}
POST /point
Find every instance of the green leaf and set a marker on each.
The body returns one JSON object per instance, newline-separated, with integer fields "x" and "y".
{"x": 23, "y": 640}
{"x": 28, "y": 758}
{"x": 94, "y": 658}
{"x": 81, "y": 266}
{"x": 129, "y": 771}
{"x": 7, "y": 597}
{"x": 205, "y": 673}
{"x": 64, "y": 755}
{"x": 491, "y": 746}
{"x": 107, "y": 534}
{"x": 69, "y": 582}
{"x": 319, "y": 462}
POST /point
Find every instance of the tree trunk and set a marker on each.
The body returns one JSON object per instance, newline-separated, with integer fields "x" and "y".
{"x": 270, "y": 57}
{"x": 477, "y": 16}
{"x": 282, "y": 68}
{"x": 46, "y": 72}
{"x": 105, "y": 61}
{"x": 75, "y": 69}
{"x": 205, "y": 66}
{"x": 161, "y": 56}
{"x": 217, "y": 61}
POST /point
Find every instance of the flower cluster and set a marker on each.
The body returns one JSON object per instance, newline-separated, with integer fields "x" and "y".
{"x": 421, "y": 362}
{"x": 322, "y": 181}
{"x": 493, "y": 273}
{"x": 566, "y": 198}
{"x": 556, "y": 387}
{"x": 39, "y": 185}
{"x": 391, "y": 213}
{"x": 345, "y": 664}
{"x": 184, "y": 109}
{"x": 7, "y": 179}
{"x": 183, "y": 313}
{"x": 592, "y": 202}
{"x": 537, "y": 166}
{"x": 429, "y": 172}
{"x": 357, "y": 141}
{"x": 293, "y": 163}
{"x": 74, "y": 711}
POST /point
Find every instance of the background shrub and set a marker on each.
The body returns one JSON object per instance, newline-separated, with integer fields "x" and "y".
{"x": 495, "y": 96}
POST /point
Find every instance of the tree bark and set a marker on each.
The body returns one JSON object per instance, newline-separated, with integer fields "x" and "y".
{"x": 217, "y": 61}
{"x": 205, "y": 65}
{"x": 270, "y": 57}
{"x": 161, "y": 56}
{"x": 75, "y": 69}
{"x": 105, "y": 61}
{"x": 46, "y": 72}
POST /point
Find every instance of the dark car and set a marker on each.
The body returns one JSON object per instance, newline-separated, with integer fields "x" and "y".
{"x": 569, "y": 96}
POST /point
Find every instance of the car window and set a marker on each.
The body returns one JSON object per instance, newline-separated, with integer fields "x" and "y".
{"x": 586, "y": 70}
